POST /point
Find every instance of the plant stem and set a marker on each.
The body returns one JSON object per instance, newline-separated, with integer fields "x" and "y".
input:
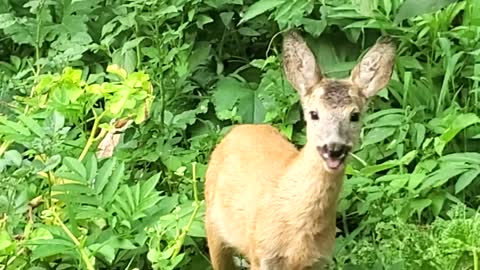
{"x": 475, "y": 259}
{"x": 4, "y": 147}
{"x": 77, "y": 243}
{"x": 359, "y": 159}
{"x": 181, "y": 238}
{"x": 91, "y": 138}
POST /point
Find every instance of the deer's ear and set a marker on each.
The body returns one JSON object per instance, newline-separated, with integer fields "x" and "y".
{"x": 374, "y": 71}
{"x": 299, "y": 63}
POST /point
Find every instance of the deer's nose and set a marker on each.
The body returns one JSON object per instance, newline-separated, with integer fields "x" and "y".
{"x": 335, "y": 150}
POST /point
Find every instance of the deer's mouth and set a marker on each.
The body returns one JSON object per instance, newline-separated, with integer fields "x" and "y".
{"x": 334, "y": 163}
{"x": 334, "y": 160}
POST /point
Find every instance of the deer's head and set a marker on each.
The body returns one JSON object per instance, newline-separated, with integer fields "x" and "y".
{"x": 333, "y": 107}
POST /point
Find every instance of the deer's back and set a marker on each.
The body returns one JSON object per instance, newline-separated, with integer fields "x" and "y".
{"x": 244, "y": 167}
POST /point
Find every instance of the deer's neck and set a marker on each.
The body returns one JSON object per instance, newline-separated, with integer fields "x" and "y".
{"x": 309, "y": 190}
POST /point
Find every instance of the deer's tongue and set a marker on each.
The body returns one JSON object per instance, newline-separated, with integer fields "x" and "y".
{"x": 333, "y": 163}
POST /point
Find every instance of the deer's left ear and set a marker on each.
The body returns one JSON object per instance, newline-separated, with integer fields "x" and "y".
{"x": 374, "y": 71}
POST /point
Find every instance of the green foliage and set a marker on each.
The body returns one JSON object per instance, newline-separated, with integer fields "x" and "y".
{"x": 109, "y": 111}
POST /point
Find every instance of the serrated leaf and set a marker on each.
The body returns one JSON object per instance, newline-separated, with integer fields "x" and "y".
{"x": 149, "y": 185}
{"x": 75, "y": 166}
{"x": 113, "y": 183}
{"x": 91, "y": 167}
{"x": 103, "y": 175}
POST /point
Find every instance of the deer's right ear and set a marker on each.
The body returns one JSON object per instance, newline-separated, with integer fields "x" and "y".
{"x": 299, "y": 63}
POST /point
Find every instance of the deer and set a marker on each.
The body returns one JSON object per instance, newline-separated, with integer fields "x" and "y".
{"x": 273, "y": 203}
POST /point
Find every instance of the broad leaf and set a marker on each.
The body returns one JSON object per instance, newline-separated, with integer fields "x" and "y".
{"x": 412, "y": 8}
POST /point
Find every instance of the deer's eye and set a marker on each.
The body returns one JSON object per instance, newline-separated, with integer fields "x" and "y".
{"x": 314, "y": 115}
{"x": 354, "y": 117}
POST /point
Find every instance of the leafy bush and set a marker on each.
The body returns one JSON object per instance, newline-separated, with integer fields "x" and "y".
{"x": 110, "y": 110}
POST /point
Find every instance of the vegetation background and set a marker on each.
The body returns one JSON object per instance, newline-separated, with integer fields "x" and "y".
{"x": 161, "y": 81}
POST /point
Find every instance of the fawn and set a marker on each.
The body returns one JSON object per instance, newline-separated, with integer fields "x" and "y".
{"x": 272, "y": 203}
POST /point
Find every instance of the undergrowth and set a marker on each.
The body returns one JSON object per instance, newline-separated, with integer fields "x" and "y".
{"x": 110, "y": 109}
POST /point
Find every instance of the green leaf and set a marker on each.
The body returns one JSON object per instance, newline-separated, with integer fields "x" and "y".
{"x": 113, "y": 183}
{"x": 458, "y": 124}
{"x": 105, "y": 250}
{"x": 438, "y": 199}
{"x": 248, "y": 32}
{"x": 314, "y": 27}
{"x": 202, "y": 20}
{"x": 369, "y": 170}
{"x": 13, "y": 157}
{"x": 415, "y": 180}
{"x": 103, "y": 175}
{"x": 149, "y": 185}
{"x": 50, "y": 249}
{"x": 442, "y": 176}
{"x": 131, "y": 44}
{"x": 465, "y": 180}
{"x": 231, "y": 92}
{"x": 259, "y": 7}
{"x": 130, "y": 60}
{"x": 55, "y": 121}
{"x": 32, "y": 125}
{"x": 197, "y": 229}
{"x": 420, "y": 134}
{"x": 18, "y": 128}
{"x": 226, "y": 18}
{"x": 407, "y": 158}
{"x": 227, "y": 93}
{"x": 5, "y": 240}
{"x": 419, "y": 205}
{"x": 251, "y": 109}
{"x": 75, "y": 166}
{"x": 409, "y": 62}
{"x": 377, "y": 135}
{"x": 91, "y": 167}
{"x": 6, "y": 20}
{"x": 52, "y": 163}
{"x": 468, "y": 157}
{"x": 200, "y": 55}
{"x": 412, "y": 8}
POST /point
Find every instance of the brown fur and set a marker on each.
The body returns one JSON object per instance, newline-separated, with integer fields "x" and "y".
{"x": 269, "y": 201}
